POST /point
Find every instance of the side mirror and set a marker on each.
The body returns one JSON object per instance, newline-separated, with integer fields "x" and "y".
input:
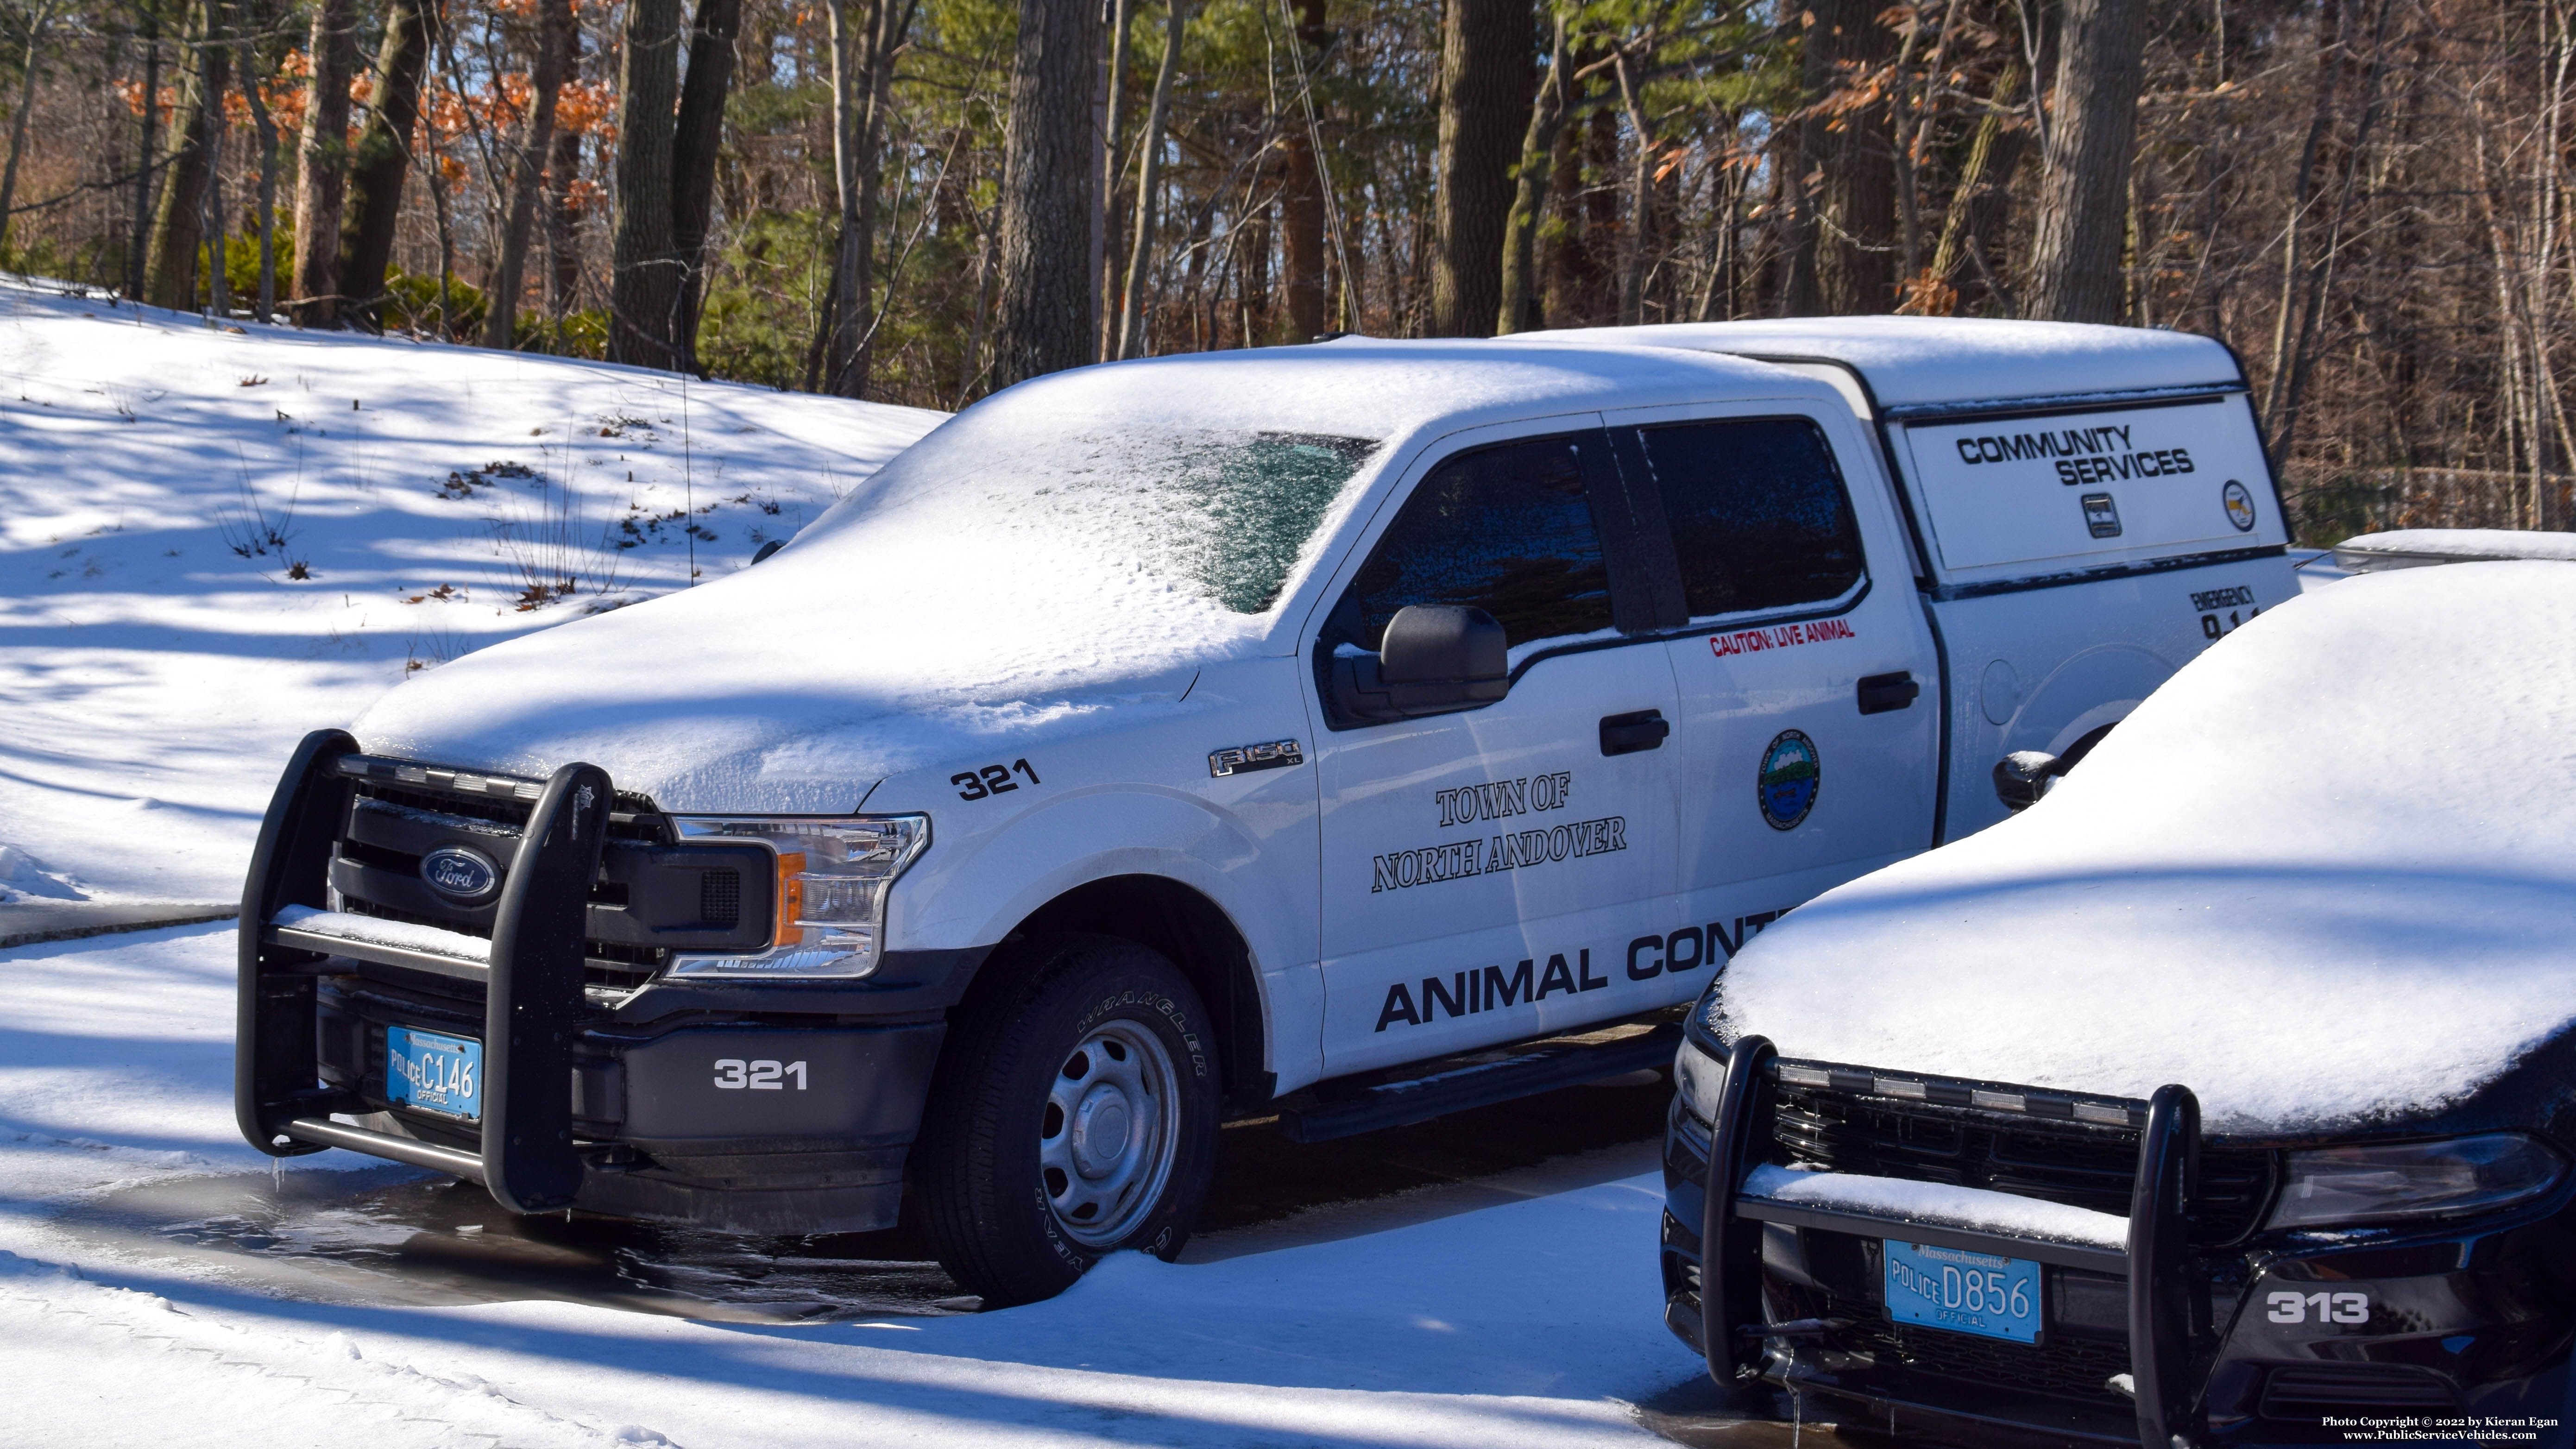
{"x": 2025, "y": 775}
{"x": 1435, "y": 659}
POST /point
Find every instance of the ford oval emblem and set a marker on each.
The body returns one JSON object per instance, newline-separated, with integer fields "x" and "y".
{"x": 460, "y": 874}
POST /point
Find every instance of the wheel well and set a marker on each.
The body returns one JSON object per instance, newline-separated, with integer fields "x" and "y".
{"x": 1185, "y": 926}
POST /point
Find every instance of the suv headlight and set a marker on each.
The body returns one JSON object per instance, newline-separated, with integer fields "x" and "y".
{"x": 830, "y": 880}
{"x": 2377, "y": 1183}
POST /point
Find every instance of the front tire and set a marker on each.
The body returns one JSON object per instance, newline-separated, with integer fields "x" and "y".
{"x": 1074, "y": 1118}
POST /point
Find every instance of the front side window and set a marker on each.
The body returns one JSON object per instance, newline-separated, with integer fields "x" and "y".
{"x": 1506, "y": 529}
{"x": 1758, "y": 513}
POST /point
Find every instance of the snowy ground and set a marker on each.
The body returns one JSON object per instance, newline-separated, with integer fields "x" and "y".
{"x": 212, "y": 541}
{"x": 1536, "y": 1322}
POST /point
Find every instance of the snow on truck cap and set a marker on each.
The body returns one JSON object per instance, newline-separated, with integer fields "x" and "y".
{"x": 1057, "y": 558}
{"x": 2326, "y": 875}
{"x": 1932, "y": 361}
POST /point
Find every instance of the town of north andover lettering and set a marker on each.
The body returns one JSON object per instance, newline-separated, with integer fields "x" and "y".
{"x": 1511, "y": 850}
{"x": 2082, "y": 455}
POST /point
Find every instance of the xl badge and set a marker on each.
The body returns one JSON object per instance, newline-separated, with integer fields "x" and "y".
{"x": 460, "y": 874}
{"x": 1790, "y": 775}
{"x": 1277, "y": 755}
{"x": 2240, "y": 505}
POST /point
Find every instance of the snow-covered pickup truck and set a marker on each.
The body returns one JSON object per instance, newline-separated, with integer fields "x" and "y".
{"x": 1330, "y": 732}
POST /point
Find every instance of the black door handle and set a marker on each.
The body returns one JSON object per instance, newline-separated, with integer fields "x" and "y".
{"x": 1626, "y": 734}
{"x": 1880, "y": 693}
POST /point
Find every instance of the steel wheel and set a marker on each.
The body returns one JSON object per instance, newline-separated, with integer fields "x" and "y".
{"x": 1110, "y": 1133}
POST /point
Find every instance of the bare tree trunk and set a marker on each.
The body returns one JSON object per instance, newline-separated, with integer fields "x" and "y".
{"x": 1485, "y": 83}
{"x": 1045, "y": 303}
{"x": 1981, "y": 207}
{"x": 1641, "y": 170}
{"x": 382, "y": 162}
{"x": 1855, "y": 155}
{"x": 1113, "y": 169}
{"x": 321, "y": 165}
{"x": 557, "y": 34}
{"x": 697, "y": 136}
{"x": 1149, "y": 190}
{"x": 644, "y": 277}
{"x": 1301, "y": 200}
{"x": 39, "y": 20}
{"x": 259, "y": 56}
{"x": 886, "y": 37}
{"x": 177, "y": 229}
{"x": 148, "y": 162}
{"x": 1518, "y": 311}
{"x": 563, "y": 226}
{"x": 2084, "y": 188}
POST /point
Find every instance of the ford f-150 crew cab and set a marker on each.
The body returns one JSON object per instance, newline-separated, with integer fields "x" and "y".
{"x": 1334, "y": 732}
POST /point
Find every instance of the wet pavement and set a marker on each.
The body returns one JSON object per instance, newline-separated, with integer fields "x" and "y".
{"x": 397, "y": 1235}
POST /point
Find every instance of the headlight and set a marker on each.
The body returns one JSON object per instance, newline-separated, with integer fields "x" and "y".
{"x": 2413, "y": 1179}
{"x": 830, "y": 883}
{"x": 1699, "y": 1078}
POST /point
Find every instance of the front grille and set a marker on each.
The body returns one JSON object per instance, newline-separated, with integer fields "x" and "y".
{"x": 494, "y": 810}
{"x": 2062, "y": 1366}
{"x": 2309, "y": 1391}
{"x": 2079, "y": 1163}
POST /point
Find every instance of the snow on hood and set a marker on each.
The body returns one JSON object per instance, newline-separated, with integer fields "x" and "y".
{"x": 1082, "y": 542}
{"x": 2326, "y": 874}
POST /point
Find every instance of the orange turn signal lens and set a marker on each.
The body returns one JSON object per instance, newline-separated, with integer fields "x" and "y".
{"x": 791, "y": 898}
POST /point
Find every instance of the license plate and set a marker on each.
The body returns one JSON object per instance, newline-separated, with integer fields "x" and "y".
{"x": 1963, "y": 1290}
{"x": 430, "y": 1072}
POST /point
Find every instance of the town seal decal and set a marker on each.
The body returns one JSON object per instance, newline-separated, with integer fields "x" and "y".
{"x": 1787, "y": 784}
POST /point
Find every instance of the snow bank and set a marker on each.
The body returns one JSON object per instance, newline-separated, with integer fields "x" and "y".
{"x": 2400, "y": 548}
{"x": 1082, "y": 542}
{"x": 218, "y": 539}
{"x": 2326, "y": 873}
{"x": 1939, "y": 1205}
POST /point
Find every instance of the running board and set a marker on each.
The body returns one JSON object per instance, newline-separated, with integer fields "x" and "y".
{"x": 1419, "y": 1099}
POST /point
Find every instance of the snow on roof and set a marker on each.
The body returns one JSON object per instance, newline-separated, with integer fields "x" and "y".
{"x": 1084, "y": 539}
{"x": 1935, "y": 360}
{"x": 2325, "y": 875}
{"x": 2410, "y": 547}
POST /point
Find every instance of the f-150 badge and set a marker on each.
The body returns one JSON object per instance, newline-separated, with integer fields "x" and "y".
{"x": 1277, "y": 755}
{"x": 1791, "y": 771}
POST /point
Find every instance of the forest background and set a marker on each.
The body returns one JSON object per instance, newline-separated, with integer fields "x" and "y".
{"x": 923, "y": 200}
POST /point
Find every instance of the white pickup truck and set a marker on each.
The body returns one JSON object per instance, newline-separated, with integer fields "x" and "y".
{"x": 1332, "y": 732}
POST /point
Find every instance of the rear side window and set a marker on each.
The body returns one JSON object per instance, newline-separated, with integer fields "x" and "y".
{"x": 1758, "y": 513}
{"x": 1508, "y": 530}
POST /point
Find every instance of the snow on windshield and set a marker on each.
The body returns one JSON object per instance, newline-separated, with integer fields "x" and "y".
{"x": 2327, "y": 873}
{"x": 1225, "y": 513}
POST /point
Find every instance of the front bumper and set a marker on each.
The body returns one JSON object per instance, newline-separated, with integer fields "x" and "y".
{"x": 2456, "y": 1333}
{"x": 615, "y": 1101}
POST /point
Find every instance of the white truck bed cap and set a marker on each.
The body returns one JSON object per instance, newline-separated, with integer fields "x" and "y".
{"x": 1951, "y": 361}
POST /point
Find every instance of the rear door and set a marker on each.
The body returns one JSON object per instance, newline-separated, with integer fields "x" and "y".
{"x": 1808, "y": 680}
{"x": 1481, "y": 869}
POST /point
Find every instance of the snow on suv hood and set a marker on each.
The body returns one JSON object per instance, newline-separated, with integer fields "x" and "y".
{"x": 2326, "y": 874}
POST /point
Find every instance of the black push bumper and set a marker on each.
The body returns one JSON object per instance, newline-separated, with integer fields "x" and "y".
{"x": 2459, "y": 1333}
{"x": 759, "y": 1108}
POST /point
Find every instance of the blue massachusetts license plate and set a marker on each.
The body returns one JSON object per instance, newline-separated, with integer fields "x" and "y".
{"x": 434, "y": 1073}
{"x": 1969, "y": 1292}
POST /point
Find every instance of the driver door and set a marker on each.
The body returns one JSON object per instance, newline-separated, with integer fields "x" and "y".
{"x": 1483, "y": 870}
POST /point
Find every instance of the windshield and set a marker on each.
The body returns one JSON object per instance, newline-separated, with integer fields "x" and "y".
{"x": 1220, "y": 514}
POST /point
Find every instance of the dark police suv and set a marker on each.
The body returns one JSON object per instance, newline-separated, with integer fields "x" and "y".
{"x": 2226, "y": 1096}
